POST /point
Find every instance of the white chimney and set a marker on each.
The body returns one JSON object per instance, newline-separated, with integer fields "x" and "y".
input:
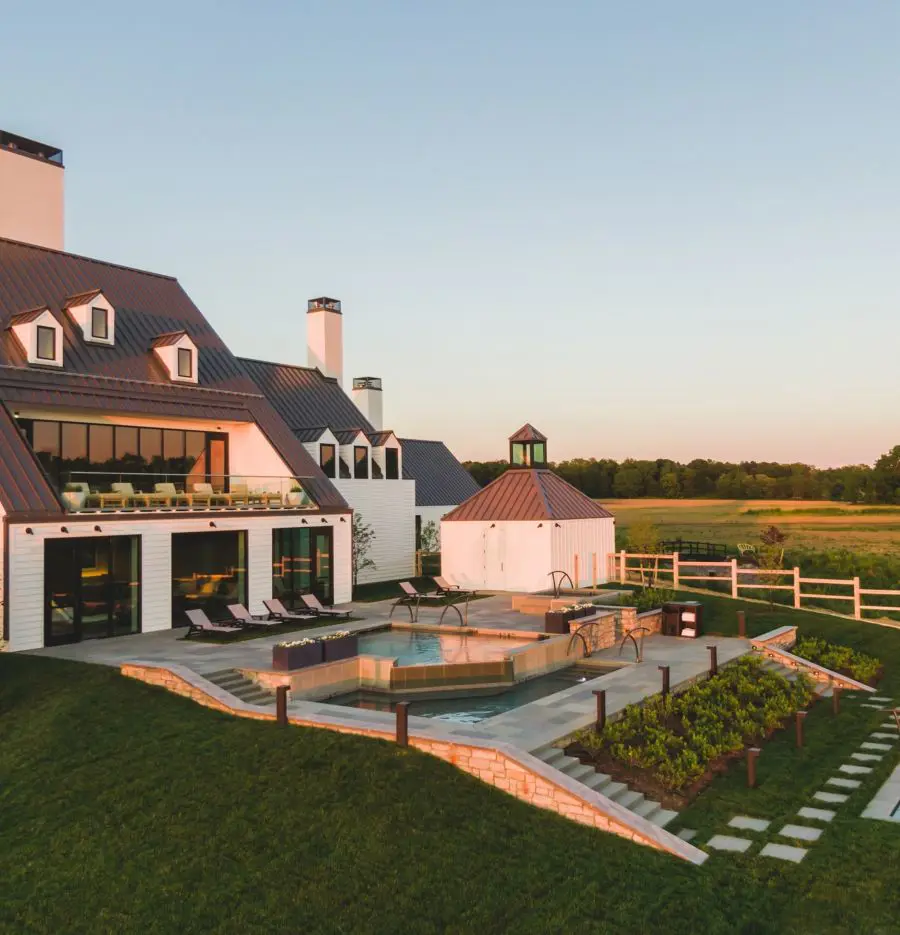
{"x": 325, "y": 336}
{"x": 368, "y": 399}
{"x": 31, "y": 191}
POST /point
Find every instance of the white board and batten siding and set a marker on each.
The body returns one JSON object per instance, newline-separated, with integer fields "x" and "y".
{"x": 585, "y": 538}
{"x": 25, "y": 603}
{"x": 388, "y": 506}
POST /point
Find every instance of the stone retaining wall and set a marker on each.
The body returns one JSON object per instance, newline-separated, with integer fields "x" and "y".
{"x": 500, "y": 765}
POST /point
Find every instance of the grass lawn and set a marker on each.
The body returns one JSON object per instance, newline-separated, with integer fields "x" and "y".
{"x": 126, "y": 809}
{"x": 857, "y": 528}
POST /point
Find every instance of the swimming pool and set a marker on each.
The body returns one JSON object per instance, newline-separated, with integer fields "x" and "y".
{"x": 412, "y": 648}
{"x": 474, "y": 706}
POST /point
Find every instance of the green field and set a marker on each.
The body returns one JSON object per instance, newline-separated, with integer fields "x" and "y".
{"x": 815, "y": 524}
{"x": 128, "y": 809}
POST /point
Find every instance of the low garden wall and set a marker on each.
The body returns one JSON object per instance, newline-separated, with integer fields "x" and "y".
{"x": 500, "y": 765}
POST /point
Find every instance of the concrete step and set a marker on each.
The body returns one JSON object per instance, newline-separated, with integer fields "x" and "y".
{"x": 628, "y": 797}
{"x": 241, "y": 687}
{"x": 597, "y": 782}
{"x": 579, "y": 772}
{"x": 556, "y": 758}
{"x": 663, "y": 817}
{"x": 646, "y": 808}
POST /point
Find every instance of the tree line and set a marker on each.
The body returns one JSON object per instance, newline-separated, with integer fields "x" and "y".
{"x": 747, "y": 480}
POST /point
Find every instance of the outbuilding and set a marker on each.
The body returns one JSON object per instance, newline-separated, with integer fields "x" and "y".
{"x": 526, "y": 524}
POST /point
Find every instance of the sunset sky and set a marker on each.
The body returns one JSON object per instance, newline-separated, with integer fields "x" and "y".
{"x": 651, "y": 229}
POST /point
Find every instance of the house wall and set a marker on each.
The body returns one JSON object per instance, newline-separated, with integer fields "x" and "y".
{"x": 388, "y": 506}
{"x": 584, "y": 538}
{"x": 31, "y": 200}
{"x": 502, "y": 556}
{"x": 26, "y": 564}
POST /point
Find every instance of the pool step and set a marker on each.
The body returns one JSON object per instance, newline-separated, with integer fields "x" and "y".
{"x": 618, "y": 792}
{"x": 241, "y": 687}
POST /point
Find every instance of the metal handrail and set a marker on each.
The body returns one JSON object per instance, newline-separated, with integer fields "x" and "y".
{"x": 638, "y": 649}
{"x": 557, "y": 586}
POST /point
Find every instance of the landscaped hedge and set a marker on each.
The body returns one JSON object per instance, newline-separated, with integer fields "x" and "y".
{"x": 647, "y": 598}
{"x": 677, "y": 738}
{"x": 838, "y": 658}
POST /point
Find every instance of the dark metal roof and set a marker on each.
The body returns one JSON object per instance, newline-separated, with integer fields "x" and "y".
{"x": 28, "y": 316}
{"x": 348, "y": 437}
{"x": 82, "y": 298}
{"x": 377, "y": 439}
{"x": 167, "y": 340}
{"x": 305, "y": 397}
{"x": 528, "y": 495}
{"x": 24, "y": 487}
{"x": 440, "y": 479}
{"x": 528, "y": 433}
{"x": 128, "y": 377}
{"x": 311, "y": 435}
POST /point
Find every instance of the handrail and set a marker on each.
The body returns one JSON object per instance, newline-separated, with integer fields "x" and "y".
{"x": 638, "y": 649}
{"x": 584, "y": 626}
{"x": 557, "y": 586}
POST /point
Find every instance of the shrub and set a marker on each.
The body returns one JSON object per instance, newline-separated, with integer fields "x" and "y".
{"x": 648, "y": 598}
{"x": 839, "y": 658}
{"x": 677, "y": 737}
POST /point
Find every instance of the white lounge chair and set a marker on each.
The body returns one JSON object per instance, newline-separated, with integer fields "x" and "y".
{"x": 277, "y": 610}
{"x": 200, "y": 623}
{"x": 315, "y": 605}
{"x": 246, "y": 619}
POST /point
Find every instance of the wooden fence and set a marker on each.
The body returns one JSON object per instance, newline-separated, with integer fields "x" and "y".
{"x": 670, "y": 568}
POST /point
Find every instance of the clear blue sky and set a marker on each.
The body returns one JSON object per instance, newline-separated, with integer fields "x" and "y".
{"x": 652, "y": 229}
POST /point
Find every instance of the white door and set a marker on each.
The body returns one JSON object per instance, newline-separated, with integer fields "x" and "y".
{"x": 494, "y": 558}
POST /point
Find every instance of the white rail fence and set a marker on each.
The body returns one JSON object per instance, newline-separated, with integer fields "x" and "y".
{"x": 669, "y": 567}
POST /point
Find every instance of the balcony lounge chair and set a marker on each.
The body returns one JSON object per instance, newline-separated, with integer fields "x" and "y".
{"x": 200, "y": 623}
{"x": 445, "y": 588}
{"x": 204, "y": 495}
{"x": 146, "y": 500}
{"x": 279, "y": 612}
{"x": 245, "y": 619}
{"x": 315, "y": 605}
{"x": 172, "y": 496}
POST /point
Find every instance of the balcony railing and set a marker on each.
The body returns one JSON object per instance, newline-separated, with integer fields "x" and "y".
{"x": 99, "y": 491}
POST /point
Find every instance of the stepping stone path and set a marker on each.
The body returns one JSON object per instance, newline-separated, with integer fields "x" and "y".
{"x": 834, "y": 797}
{"x": 748, "y": 824}
{"x": 843, "y": 783}
{"x": 883, "y": 736}
{"x": 875, "y": 746}
{"x": 854, "y": 770}
{"x": 880, "y": 698}
{"x": 817, "y": 814}
{"x": 801, "y": 832}
{"x": 877, "y": 707}
{"x": 784, "y": 852}
{"x": 723, "y": 842}
{"x": 867, "y": 757}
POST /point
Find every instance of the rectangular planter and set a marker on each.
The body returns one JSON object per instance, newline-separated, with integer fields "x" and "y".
{"x": 344, "y": 648}
{"x": 285, "y": 658}
{"x": 557, "y": 621}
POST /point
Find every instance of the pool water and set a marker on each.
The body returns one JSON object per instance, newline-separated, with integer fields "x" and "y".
{"x": 419, "y": 649}
{"x": 472, "y": 708}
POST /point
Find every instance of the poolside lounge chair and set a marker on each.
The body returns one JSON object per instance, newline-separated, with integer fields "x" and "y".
{"x": 243, "y": 617}
{"x": 313, "y": 603}
{"x": 444, "y": 587}
{"x": 409, "y": 599}
{"x": 277, "y": 610}
{"x": 200, "y": 623}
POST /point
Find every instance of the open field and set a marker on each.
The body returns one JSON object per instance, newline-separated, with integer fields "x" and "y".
{"x": 815, "y": 524}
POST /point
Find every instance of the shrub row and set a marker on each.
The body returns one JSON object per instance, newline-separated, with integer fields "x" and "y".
{"x": 677, "y": 737}
{"x": 838, "y": 658}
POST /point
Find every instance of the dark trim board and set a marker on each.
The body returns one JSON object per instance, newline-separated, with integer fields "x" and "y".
{"x": 20, "y": 518}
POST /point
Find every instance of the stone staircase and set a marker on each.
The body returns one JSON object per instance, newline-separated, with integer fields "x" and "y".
{"x": 241, "y": 687}
{"x": 618, "y": 792}
{"x": 770, "y": 665}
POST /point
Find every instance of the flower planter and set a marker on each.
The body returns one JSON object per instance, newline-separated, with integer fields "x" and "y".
{"x": 296, "y": 657}
{"x": 344, "y": 648}
{"x": 557, "y": 621}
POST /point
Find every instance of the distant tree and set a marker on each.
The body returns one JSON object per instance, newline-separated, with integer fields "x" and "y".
{"x": 770, "y": 556}
{"x": 363, "y": 535}
{"x": 429, "y": 537}
{"x": 644, "y": 538}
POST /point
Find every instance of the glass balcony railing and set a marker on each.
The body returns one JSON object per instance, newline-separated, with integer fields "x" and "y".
{"x": 93, "y": 491}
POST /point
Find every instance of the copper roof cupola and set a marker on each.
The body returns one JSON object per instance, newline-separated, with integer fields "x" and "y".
{"x": 528, "y": 448}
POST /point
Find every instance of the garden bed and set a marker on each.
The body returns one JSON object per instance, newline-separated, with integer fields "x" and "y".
{"x": 672, "y": 748}
{"x": 842, "y": 659}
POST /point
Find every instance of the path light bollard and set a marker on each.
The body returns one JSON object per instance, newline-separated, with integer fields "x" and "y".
{"x": 742, "y": 623}
{"x": 281, "y": 693}
{"x": 752, "y": 754}
{"x": 600, "y": 694}
{"x": 403, "y": 723}
{"x": 798, "y": 724}
{"x": 836, "y": 698}
{"x": 665, "y": 679}
{"x": 713, "y": 660}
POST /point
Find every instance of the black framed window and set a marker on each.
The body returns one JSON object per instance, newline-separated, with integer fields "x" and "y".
{"x": 100, "y": 323}
{"x": 391, "y": 463}
{"x": 185, "y": 362}
{"x": 360, "y": 461}
{"x": 209, "y": 572}
{"x": 101, "y": 447}
{"x": 328, "y": 460}
{"x": 46, "y": 342}
{"x": 519, "y": 454}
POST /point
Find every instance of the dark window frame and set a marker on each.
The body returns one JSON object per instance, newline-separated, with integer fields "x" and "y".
{"x": 180, "y": 357}
{"x": 392, "y": 463}
{"x": 360, "y": 465}
{"x": 44, "y": 329}
{"x": 104, "y": 335}
{"x": 327, "y": 463}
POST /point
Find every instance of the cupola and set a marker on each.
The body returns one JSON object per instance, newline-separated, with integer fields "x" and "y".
{"x": 528, "y": 448}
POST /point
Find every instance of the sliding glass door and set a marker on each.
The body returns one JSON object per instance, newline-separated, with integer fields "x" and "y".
{"x": 302, "y": 564}
{"x": 92, "y": 588}
{"x": 209, "y": 571}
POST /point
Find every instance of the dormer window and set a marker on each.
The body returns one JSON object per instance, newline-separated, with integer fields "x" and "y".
{"x": 40, "y": 336}
{"x": 178, "y": 354}
{"x": 94, "y": 314}
{"x": 46, "y": 343}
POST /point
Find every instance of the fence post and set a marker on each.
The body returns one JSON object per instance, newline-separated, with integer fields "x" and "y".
{"x": 752, "y": 754}
{"x": 857, "y": 602}
{"x": 576, "y": 569}
{"x": 622, "y": 555}
{"x": 796, "y": 588}
{"x": 594, "y": 570}
{"x": 675, "y": 571}
{"x": 742, "y": 623}
{"x": 402, "y": 712}
{"x": 734, "y": 586}
{"x": 281, "y": 693}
